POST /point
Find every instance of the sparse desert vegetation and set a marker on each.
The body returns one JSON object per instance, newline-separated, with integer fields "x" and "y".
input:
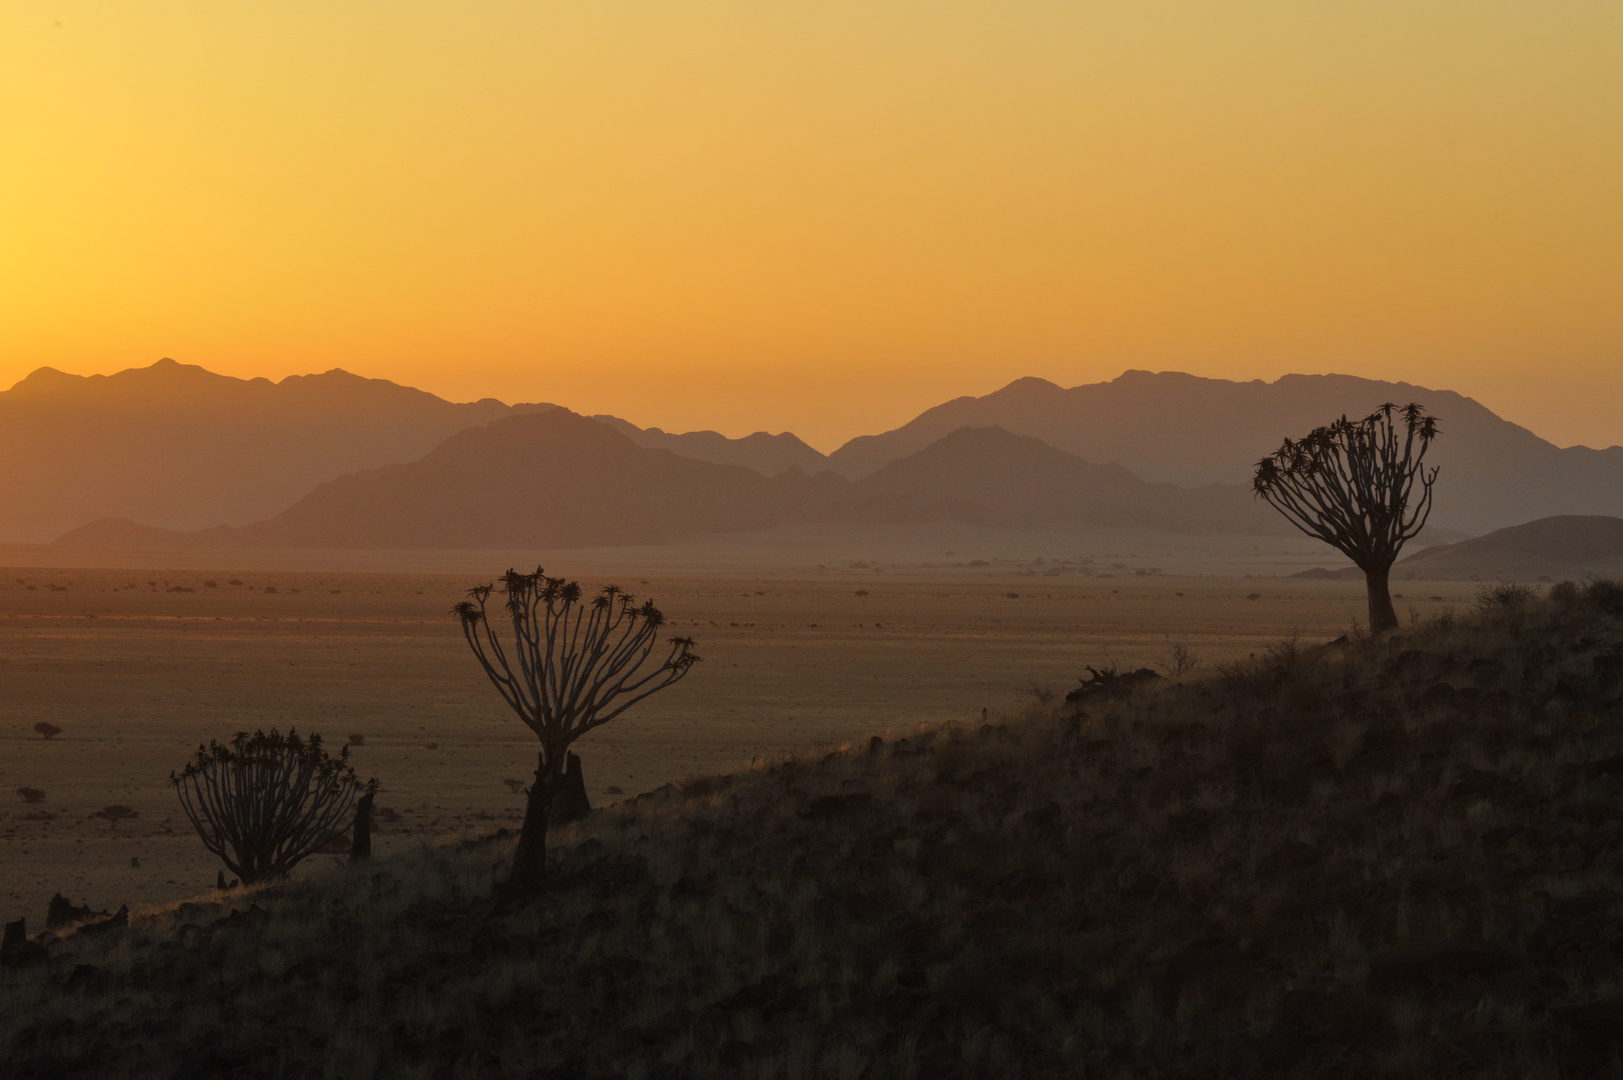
{"x": 1387, "y": 856}
{"x": 138, "y": 678}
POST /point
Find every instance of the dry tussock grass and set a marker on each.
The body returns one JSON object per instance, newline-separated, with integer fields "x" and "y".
{"x": 1390, "y": 857}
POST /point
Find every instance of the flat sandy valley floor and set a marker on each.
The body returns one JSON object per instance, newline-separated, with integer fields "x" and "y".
{"x": 137, "y": 676}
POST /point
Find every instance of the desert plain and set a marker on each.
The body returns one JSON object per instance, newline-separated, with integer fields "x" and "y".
{"x": 139, "y": 666}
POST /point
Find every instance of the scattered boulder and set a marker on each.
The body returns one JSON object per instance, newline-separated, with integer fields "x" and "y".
{"x": 62, "y": 913}
{"x": 119, "y": 921}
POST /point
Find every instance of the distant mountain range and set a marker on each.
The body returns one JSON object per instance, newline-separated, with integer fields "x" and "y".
{"x": 1182, "y": 429}
{"x": 178, "y": 446}
{"x": 555, "y": 479}
{"x": 339, "y": 460}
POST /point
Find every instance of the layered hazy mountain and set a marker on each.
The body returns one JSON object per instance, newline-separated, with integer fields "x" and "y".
{"x": 766, "y": 454}
{"x": 1182, "y": 429}
{"x": 556, "y": 479}
{"x": 992, "y": 477}
{"x": 176, "y": 446}
{"x": 334, "y": 459}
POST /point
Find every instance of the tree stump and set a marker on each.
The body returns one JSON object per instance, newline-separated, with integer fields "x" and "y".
{"x": 570, "y": 803}
{"x": 360, "y": 847}
{"x": 63, "y": 913}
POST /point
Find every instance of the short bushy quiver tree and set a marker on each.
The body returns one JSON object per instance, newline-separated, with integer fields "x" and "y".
{"x": 1353, "y": 484}
{"x": 262, "y": 803}
{"x": 570, "y": 665}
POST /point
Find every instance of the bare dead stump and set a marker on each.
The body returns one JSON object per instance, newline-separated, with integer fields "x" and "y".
{"x": 360, "y": 847}
{"x": 17, "y": 951}
{"x": 570, "y": 803}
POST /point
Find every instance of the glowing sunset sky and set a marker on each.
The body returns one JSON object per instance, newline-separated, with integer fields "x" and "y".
{"x": 820, "y": 216}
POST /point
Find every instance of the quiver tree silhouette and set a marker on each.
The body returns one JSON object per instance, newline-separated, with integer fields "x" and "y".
{"x": 1352, "y": 484}
{"x": 262, "y": 803}
{"x": 575, "y": 664}
{"x": 114, "y": 814}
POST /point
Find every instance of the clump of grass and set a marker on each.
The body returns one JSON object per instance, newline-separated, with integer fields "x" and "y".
{"x": 1394, "y": 855}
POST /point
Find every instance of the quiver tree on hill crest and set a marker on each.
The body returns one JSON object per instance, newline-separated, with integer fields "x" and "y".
{"x": 570, "y": 665}
{"x": 1353, "y": 484}
{"x": 263, "y": 803}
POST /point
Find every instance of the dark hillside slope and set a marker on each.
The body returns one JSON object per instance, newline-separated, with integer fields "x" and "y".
{"x": 1551, "y": 548}
{"x": 1392, "y": 858}
{"x": 1182, "y": 429}
{"x": 175, "y": 446}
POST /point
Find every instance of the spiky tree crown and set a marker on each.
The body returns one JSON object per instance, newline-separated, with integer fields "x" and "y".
{"x": 266, "y": 801}
{"x": 1352, "y": 483}
{"x": 575, "y": 663}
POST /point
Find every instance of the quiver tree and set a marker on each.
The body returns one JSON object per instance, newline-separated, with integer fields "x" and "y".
{"x": 569, "y": 665}
{"x": 262, "y": 803}
{"x": 1353, "y": 484}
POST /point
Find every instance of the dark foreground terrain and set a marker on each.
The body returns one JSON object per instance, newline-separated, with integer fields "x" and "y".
{"x": 1391, "y": 857}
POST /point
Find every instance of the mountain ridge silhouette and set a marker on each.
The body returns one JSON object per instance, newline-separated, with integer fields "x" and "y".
{"x": 556, "y": 479}
{"x": 187, "y": 448}
{"x": 1186, "y": 429}
{"x": 179, "y": 448}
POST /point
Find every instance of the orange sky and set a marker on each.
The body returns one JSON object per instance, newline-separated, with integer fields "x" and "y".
{"x": 820, "y": 216}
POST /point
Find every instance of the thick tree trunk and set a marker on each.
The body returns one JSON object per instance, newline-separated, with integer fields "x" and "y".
{"x": 1382, "y": 617}
{"x": 360, "y": 845}
{"x": 570, "y": 803}
{"x": 530, "y": 861}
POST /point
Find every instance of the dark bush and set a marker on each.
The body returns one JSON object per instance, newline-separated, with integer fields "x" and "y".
{"x": 1505, "y": 596}
{"x": 1607, "y": 596}
{"x": 1564, "y": 593}
{"x": 114, "y": 814}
